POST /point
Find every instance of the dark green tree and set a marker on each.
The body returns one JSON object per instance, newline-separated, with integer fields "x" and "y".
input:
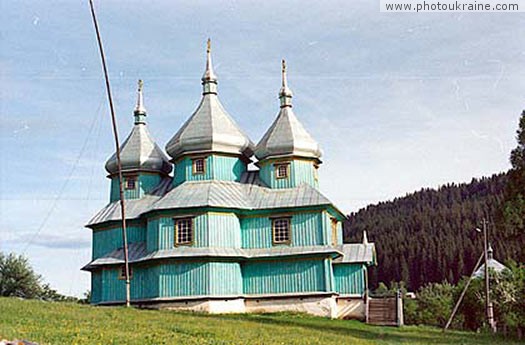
{"x": 17, "y": 278}
{"x": 513, "y": 215}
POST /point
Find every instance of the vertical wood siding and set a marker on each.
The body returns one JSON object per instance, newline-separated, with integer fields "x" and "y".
{"x": 307, "y": 230}
{"x": 106, "y": 241}
{"x": 349, "y": 278}
{"x": 266, "y": 277}
{"x": 96, "y": 287}
{"x": 223, "y": 168}
{"x": 225, "y": 278}
{"x": 145, "y": 184}
{"x": 160, "y": 234}
{"x": 300, "y": 172}
{"x": 222, "y": 230}
{"x": 184, "y": 279}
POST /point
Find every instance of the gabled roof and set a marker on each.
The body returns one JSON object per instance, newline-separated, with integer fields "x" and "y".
{"x": 210, "y": 128}
{"x": 287, "y": 136}
{"x": 250, "y": 195}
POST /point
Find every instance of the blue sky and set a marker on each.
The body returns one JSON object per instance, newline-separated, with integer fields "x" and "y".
{"x": 397, "y": 101}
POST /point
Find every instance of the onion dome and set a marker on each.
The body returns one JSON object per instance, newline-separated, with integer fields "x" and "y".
{"x": 139, "y": 152}
{"x": 287, "y": 136}
{"x": 210, "y": 128}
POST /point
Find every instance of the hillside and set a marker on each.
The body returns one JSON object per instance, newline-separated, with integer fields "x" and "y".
{"x": 428, "y": 236}
{"x": 68, "y": 323}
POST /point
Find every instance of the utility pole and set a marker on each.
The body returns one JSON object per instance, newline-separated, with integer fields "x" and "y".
{"x": 488, "y": 303}
{"x": 119, "y": 165}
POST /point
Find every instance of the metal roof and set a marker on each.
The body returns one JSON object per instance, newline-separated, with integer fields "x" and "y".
{"x": 493, "y": 264}
{"x": 287, "y": 136}
{"x": 224, "y": 194}
{"x": 140, "y": 152}
{"x": 210, "y": 128}
{"x": 357, "y": 253}
{"x": 138, "y": 253}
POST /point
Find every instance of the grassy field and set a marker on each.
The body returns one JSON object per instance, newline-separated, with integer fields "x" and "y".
{"x": 68, "y": 323}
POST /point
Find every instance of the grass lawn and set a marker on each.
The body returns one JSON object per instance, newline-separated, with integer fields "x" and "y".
{"x": 69, "y": 323}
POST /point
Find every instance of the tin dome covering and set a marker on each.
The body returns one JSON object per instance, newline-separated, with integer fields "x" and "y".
{"x": 287, "y": 136}
{"x": 210, "y": 128}
{"x": 139, "y": 151}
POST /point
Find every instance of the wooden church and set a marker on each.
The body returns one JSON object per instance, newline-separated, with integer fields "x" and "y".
{"x": 206, "y": 233}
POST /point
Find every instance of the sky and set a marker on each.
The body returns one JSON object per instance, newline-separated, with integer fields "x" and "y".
{"x": 397, "y": 101}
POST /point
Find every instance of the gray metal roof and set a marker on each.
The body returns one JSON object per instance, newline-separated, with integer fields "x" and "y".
{"x": 210, "y": 128}
{"x": 138, "y": 253}
{"x": 140, "y": 152}
{"x": 357, "y": 253}
{"x": 287, "y": 136}
{"x": 226, "y": 194}
{"x": 493, "y": 264}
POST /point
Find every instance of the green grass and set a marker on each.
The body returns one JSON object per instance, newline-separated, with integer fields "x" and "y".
{"x": 69, "y": 323}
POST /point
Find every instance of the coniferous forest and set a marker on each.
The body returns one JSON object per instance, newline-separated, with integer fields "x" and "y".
{"x": 429, "y": 235}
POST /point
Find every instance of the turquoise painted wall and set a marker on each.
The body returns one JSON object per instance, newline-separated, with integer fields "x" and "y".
{"x": 225, "y": 278}
{"x": 301, "y": 171}
{"x": 107, "y": 240}
{"x": 265, "y": 277}
{"x": 222, "y": 168}
{"x": 172, "y": 279}
{"x": 327, "y": 229}
{"x": 199, "y": 279}
{"x": 349, "y": 278}
{"x": 96, "y": 287}
{"x": 307, "y": 230}
{"x": 210, "y": 230}
{"x": 145, "y": 184}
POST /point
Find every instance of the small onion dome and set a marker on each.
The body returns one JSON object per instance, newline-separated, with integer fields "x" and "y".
{"x": 210, "y": 128}
{"x": 287, "y": 136}
{"x": 139, "y": 152}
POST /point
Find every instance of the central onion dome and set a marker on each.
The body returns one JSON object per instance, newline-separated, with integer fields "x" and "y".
{"x": 210, "y": 128}
{"x": 139, "y": 152}
{"x": 287, "y": 136}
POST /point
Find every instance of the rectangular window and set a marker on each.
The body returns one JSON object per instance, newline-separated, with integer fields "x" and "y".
{"x": 334, "y": 231}
{"x": 281, "y": 230}
{"x": 122, "y": 273}
{"x": 199, "y": 166}
{"x": 183, "y": 231}
{"x": 282, "y": 170}
{"x": 131, "y": 182}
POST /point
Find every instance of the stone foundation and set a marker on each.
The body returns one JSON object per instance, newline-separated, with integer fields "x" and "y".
{"x": 325, "y": 305}
{"x": 351, "y": 308}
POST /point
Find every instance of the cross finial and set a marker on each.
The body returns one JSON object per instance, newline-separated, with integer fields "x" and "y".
{"x": 284, "y": 72}
{"x": 208, "y": 46}
{"x": 140, "y": 111}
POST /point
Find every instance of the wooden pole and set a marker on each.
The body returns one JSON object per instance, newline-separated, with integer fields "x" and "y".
{"x": 462, "y": 294}
{"x": 488, "y": 304}
{"x": 119, "y": 164}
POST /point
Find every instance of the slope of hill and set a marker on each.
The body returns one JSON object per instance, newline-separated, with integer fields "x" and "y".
{"x": 69, "y": 323}
{"x": 428, "y": 236}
